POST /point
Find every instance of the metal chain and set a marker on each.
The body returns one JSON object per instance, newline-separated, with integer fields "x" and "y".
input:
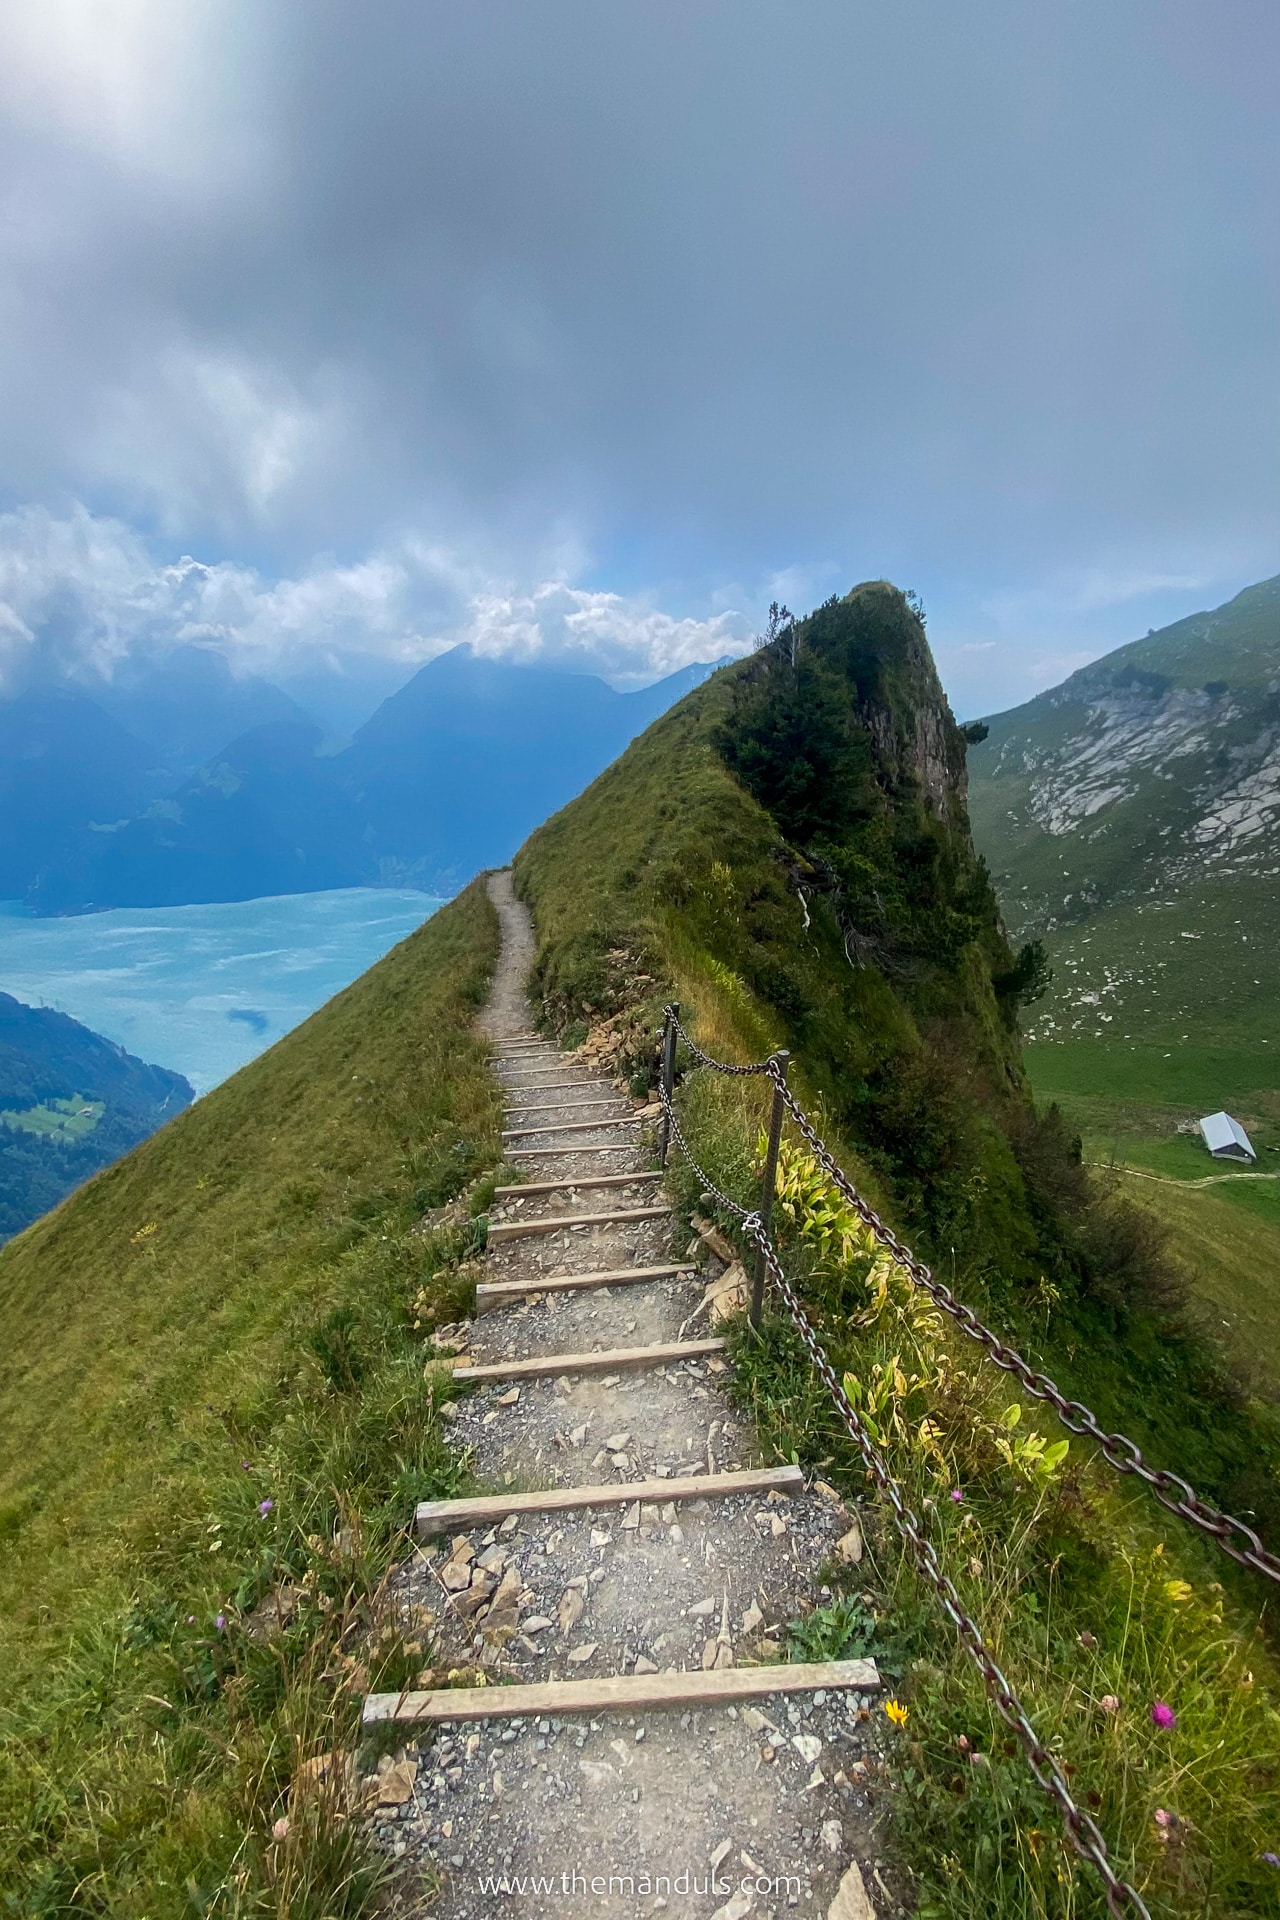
{"x": 1082, "y": 1832}
{"x": 1121, "y": 1453}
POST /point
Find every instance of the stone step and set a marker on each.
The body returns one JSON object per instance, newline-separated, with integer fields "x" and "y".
{"x": 572, "y": 1180}
{"x": 489, "y": 1509}
{"x": 612, "y": 1360}
{"x": 491, "y": 1294}
{"x": 620, "y": 1693}
{"x": 611, "y": 1216}
{"x": 573, "y": 1126}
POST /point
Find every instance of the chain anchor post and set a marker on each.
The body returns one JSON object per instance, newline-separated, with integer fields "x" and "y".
{"x": 670, "y": 1015}
{"x": 779, "y": 1063}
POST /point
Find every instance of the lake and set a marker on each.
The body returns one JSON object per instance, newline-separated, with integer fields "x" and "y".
{"x": 204, "y": 989}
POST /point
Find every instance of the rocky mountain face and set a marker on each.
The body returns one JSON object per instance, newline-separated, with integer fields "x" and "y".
{"x": 1154, "y": 769}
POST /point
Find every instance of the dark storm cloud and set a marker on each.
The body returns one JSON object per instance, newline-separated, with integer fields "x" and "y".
{"x": 678, "y": 302}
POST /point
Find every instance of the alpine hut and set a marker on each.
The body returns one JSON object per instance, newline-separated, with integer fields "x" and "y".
{"x": 1225, "y": 1138}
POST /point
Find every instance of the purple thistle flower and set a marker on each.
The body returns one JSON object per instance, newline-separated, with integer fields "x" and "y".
{"x": 1271, "y": 1859}
{"x": 220, "y": 1621}
{"x": 1163, "y": 1716}
{"x": 265, "y": 1506}
{"x": 956, "y": 1494}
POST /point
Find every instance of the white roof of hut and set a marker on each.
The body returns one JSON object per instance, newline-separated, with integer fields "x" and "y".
{"x": 1226, "y": 1138}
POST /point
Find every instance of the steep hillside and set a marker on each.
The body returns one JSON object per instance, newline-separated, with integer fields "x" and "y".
{"x": 212, "y": 1401}
{"x": 1132, "y": 817}
{"x": 70, "y": 1103}
{"x": 446, "y": 777}
{"x": 1152, "y": 771}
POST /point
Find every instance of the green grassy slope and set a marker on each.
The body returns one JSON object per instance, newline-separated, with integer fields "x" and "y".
{"x": 863, "y": 937}
{"x": 51, "y": 1070}
{"x": 221, "y": 1320}
{"x": 1132, "y": 818}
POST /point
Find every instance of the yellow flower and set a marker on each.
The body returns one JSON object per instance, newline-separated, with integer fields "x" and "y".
{"x": 1177, "y": 1589}
{"x": 897, "y": 1712}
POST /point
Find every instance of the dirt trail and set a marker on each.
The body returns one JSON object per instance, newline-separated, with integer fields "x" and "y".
{"x": 759, "y": 1809}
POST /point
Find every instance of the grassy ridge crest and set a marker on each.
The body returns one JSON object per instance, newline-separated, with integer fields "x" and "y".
{"x": 670, "y": 874}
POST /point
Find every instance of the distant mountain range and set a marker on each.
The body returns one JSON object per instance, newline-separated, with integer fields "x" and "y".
{"x": 70, "y": 1103}
{"x": 120, "y": 800}
{"x": 1154, "y": 768}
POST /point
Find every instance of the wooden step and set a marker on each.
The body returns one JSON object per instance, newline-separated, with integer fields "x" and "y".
{"x": 500, "y": 1293}
{"x": 612, "y": 1360}
{"x": 557, "y": 1085}
{"x": 620, "y": 1693}
{"x": 613, "y": 1100}
{"x": 550, "y": 1153}
{"x": 611, "y": 1216}
{"x": 489, "y": 1509}
{"x": 573, "y": 1180}
{"x": 573, "y": 1126}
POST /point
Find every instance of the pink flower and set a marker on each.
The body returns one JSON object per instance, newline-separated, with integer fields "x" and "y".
{"x": 265, "y": 1506}
{"x": 220, "y": 1621}
{"x": 1163, "y": 1716}
{"x": 1110, "y": 1703}
{"x": 280, "y": 1831}
{"x": 956, "y": 1494}
{"x": 1164, "y": 1818}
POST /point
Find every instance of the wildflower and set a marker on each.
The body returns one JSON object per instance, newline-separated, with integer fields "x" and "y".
{"x": 191, "y": 1619}
{"x": 1110, "y": 1703}
{"x": 963, "y": 1743}
{"x": 897, "y": 1712}
{"x": 1271, "y": 1859}
{"x": 247, "y": 1465}
{"x": 1164, "y": 1818}
{"x": 1178, "y": 1590}
{"x": 1087, "y": 1640}
{"x": 956, "y": 1494}
{"x": 1162, "y": 1715}
{"x": 265, "y": 1506}
{"x": 280, "y": 1831}
{"x": 220, "y": 1621}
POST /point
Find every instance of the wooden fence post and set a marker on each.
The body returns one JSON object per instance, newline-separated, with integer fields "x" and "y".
{"x": 782, "y": 1061}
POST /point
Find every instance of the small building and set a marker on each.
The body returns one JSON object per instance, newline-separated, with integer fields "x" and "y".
{"x": 1225, "y": 1138}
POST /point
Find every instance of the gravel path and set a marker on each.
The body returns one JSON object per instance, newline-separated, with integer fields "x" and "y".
{"x": 761, "y": 1809}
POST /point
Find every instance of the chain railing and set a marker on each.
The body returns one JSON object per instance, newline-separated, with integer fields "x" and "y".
{"x": 1121, "y": 1453}
{"x": 1082, "y": 1832}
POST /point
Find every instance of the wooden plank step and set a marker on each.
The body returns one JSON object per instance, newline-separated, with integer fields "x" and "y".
{"x": 550, "y": 1153}
{"x": 500, "y": 1293}
{"x": 573, "y": 1126}
{"x": 619, "y": 1693}
{"x": 519, "y": 1229}
{"x": 533, "y": 1086}
{"x": 487, "y": 1509}
{"x": 613, "y": 1100}
{"x": 574, "y": 1180}
{"x": 612, "y": 1360}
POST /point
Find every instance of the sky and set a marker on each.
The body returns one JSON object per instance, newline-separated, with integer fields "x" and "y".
{"x": 344, "y": 330}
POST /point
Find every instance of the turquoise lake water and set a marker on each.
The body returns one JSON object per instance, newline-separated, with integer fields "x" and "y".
{"x": 204, "y": 989}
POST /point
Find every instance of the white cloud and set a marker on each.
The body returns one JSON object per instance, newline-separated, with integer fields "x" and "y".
{"x": 79, "y": 594}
